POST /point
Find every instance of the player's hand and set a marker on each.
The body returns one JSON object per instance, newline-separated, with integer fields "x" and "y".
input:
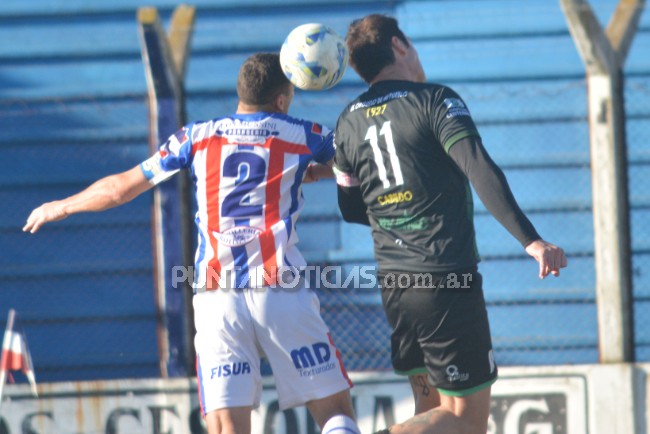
{"x": 48, "y": 212}
{"x": 316, "y": 171}
{"x": 310, "y": 175}
{"x": 549, "y": 256}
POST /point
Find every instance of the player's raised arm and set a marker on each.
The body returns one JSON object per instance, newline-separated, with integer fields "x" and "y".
{"x": 492, "y": 187}
{"x": 108, "y": 192}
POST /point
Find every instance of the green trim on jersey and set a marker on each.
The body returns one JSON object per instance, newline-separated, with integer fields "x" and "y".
{"x": 470, "y": 216}
{"x": 467, "y": 392}
{"x": 456, "y": 137}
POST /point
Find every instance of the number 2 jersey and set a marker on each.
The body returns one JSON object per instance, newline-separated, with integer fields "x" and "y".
{"x": 393, "y": 142}
{"x": 247, "y": 170}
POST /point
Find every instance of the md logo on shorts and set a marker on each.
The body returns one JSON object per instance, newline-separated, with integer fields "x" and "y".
{"x": 228, "y": 369}
{"x": 313, "y": 360}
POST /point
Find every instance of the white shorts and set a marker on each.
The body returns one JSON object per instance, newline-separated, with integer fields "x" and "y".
{"x": 235, "y": 328}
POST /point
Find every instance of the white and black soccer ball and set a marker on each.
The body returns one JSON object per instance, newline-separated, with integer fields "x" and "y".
{"x": 314, "y": 57}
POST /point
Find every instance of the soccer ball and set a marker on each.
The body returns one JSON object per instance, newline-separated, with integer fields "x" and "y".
{"x": 314, "y": 57}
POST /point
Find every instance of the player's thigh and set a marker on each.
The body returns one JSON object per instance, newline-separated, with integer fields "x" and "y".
{"x": 305, "y": 362}
{"x": 473, "y": 410}
{"x": 235, "y": 420}
{"x": 228, "y": 367}
{"x": 454, "y": 335}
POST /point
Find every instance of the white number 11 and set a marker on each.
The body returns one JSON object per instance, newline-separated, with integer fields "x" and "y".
{"x": 379, "y": 159}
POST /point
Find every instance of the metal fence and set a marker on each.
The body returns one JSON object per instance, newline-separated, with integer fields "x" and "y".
{"x": 84, "y": 287}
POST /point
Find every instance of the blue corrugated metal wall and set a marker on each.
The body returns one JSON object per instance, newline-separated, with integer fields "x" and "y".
{"x": 72, "y": 108}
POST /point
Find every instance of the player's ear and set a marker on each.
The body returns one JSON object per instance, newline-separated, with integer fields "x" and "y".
{"x": 283, "y": 100}
{"x": 399, "y": 45}
{"x": 279, "y": 103}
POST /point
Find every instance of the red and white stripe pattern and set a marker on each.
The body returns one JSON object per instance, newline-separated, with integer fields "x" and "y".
{"x": 15, "y": 354}
{"x": 248, "y": 171}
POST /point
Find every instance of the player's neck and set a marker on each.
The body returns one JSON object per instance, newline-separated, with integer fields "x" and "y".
{"x": 394, "y": 72}
{"x": 245, "y": 109}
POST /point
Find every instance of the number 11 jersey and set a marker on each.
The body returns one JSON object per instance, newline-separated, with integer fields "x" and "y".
{"x": 393, "y": 142}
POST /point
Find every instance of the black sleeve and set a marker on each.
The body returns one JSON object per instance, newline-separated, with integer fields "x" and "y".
{"x": 352, "y": 206}
{"x": 492, "y": 187}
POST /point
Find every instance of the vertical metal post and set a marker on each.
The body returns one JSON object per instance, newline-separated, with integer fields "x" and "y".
{"x": 604, "y": 53}
{"x": 165, "y": 60}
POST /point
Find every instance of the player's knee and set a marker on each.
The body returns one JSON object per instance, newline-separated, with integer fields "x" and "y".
{"x": 341, "y": 424}
{"x": 322, "y": 410}
{"x": 473, "y": 423}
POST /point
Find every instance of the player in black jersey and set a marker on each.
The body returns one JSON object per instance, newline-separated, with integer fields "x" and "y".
{"x": 406, "y": 154}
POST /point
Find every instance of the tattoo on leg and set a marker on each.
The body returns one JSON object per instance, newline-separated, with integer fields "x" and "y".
{"x": 421, "y": 381}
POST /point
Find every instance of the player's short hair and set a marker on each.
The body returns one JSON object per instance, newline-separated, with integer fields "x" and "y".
{"x": 369, "y": 44}
{"x": 261, "y": 79}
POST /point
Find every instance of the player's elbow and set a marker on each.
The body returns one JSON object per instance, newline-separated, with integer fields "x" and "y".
{"x": 352, "y": 207}
{"x": 357, "y": 216}
{"x": 116, "y": 190}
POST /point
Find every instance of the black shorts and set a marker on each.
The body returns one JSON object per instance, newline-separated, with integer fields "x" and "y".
{"x": 440, "y": 327}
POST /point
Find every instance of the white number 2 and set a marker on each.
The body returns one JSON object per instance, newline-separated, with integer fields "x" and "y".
{"x": 372, "y": 136}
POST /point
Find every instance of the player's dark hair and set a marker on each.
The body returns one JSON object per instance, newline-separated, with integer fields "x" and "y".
{"x": 369, "y": 44}
{"x": 261, "y": 79}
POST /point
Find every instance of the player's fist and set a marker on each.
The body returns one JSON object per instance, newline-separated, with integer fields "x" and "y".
{"x": 549, "y": 256}
{"x": 48, "y": 212}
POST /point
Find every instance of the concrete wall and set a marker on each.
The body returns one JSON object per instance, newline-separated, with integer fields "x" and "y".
{"x": 586, "y": 399}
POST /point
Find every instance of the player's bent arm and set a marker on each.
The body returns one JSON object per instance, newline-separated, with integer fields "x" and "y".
{"x": 316, "y": 171}
{"x": 108, "y": 192}
{"x": 353, "y": 208}
{"x": 493, "y": 189}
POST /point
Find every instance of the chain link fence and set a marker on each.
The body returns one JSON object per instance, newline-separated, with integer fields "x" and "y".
{"x": 637, "y": 92}
{"x": 84, "y": 287}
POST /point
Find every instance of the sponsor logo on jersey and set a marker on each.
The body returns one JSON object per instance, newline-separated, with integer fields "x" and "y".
{"x": 455, "y": 107}
{"x": 152, "y": 166}
{"x": 245, "y": 132}
{"x": 237, "y": 236}
{"x": 247, "y": 136}
{"x": 378, "y": 101}
{"x": 406, "y": 223}
{"x": 228, "y": 369}
{"x": 313, "y": 360}
{"x": 392, "y": 198}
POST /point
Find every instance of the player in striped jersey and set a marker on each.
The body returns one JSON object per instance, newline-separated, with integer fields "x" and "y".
{"x": 248, "y": 169}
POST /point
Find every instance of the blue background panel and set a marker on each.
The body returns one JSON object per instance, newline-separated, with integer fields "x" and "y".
{"x": 73, "y": 108}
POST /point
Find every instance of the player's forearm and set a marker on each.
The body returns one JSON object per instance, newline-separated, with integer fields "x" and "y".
{"x": 102, "y": 195}
{"x": 351, "y": 205}
{"x": 500, "y": 202}
{"x": 106, "y": 193}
